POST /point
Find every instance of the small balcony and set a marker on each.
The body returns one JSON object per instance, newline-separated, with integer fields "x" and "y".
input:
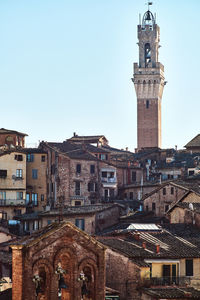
{"x": 166, "y": 281}
{"x": 12, "y": 202}
{"x": 109, "y": 179}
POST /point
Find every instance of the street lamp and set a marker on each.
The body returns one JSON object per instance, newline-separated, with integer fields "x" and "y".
{"x": 61, "y": 282}
{"x": 83, "y": 279}
{"x": 37, "y": 280}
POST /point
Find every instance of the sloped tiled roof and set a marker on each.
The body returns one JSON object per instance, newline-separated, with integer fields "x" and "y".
{"x": 172, "y": 292}
{"x": 48, "y": 230}
{"x": 172, "y": 245}
{"x": 72, "y": 150}
{"x": 9, "y": 131}
{"x": 88, "y": 138}
{"x": 195, "y": 142}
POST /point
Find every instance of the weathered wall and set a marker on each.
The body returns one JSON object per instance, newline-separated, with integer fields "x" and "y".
{"x": 161, "y": 200}
{"x": 122, "y": 274}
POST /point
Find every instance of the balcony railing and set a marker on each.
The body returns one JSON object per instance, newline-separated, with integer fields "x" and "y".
{"x": 154, "y": 281}
{"x": 109, "y": 180}
{"x": 12, "y": 202}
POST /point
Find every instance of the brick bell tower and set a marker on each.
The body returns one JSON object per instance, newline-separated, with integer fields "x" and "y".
{"x": 149, "y": 82}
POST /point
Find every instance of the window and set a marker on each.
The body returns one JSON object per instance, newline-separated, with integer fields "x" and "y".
{"x": 3, "y": 215}
{"x": 133, "y": 176}
{"x": 77, "y": 188}
{"x": 3, "y": 173}
{"x": 52, "y": 187}
{"x": 131, "y": 195}
{"x": 42, "y": 197}
{"x": 147, "y": 104}
{"x": 49, "y": 222}
{"x": 92, "y": 169}
{"x": 153, "y": 206}
{"x": 189, "y": 267}
{"x": 164, "y": 191}
{"x": 172, "y": 191}
{"x": 147, "y": 208}
{"x": 34, "y": 199}
{"x": 104, "y": 174}
{"x": 18, "y": 212}
{"x": 166, "y": 208}
{"x": 92, "y": 187}
{"x": 2, "y": 195}
{"x": 53, "y": 167}
{"x": 18, "y": 157}
{"x": 35, "y": 225}
{"x": 191, "y": 173}
{"x": 147, "y": 54}
{"x": 30, "y": 157}
{"x": 19, "y": 173}
{"x": 43, "y": 158}
{"x": 78, "y": 168}
{"x": 80, "y": 223}
{"x": 26, "y": 226}
{"x": 34, "y": 173}
{"x": 27, "y": 198}
{"x": 103, "y": 156}
{"x": 77, "y": 203}
{"x": 19, "y": 195}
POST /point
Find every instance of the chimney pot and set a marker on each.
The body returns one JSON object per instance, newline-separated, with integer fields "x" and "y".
{"x": 157, "y": 248}
{"x": 137, "y": 236}
{"x": 144, "y": 245}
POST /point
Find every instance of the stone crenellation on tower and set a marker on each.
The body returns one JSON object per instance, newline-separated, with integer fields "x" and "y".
{"x": 149, "y": 82}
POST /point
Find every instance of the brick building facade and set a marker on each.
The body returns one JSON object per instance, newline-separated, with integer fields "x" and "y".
{"x": 58, "y": 245}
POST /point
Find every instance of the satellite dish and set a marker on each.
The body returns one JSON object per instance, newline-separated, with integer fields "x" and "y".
{"x": 191, "y": 206}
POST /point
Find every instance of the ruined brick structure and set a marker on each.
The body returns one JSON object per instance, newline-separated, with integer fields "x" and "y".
{"x": 12, "y": 137}
{"x": 58, "y": 244}
{"x": 149, "y": 83}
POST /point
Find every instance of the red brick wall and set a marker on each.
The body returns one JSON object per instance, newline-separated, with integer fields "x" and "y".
{"x": 122, "y": 275}
{"x": 3, "y": 140}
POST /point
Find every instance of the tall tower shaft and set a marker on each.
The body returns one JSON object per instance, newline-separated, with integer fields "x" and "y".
{"x": 149, "y": 82}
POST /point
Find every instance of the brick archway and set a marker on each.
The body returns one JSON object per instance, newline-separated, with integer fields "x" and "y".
{"x": 68, "y": 260}
{"x": 89, "y": 267}
{"x": 44, "y": 269}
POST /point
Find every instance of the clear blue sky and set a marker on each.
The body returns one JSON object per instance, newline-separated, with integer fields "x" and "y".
{"x": 66, "y": 65}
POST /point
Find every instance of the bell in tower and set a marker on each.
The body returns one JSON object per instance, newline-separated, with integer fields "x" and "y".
{"x": 149, "y": 82}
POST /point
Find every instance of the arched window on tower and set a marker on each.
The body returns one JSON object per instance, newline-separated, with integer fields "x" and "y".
{"x": 147, "y": 54}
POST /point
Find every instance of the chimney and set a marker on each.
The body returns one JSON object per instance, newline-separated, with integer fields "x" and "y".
{"x": 74, "y": 134}
{"x": 136, "y": 236}
{"x": 126, "y": 148}
{"x": 144, "y": 245}
{"x": 157, "y": 249}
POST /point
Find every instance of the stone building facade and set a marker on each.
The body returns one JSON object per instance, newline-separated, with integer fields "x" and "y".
{"x": 36, "y": 166}
{"x": 160, "y": 199}
{"x": 12, "y": 183}
{"x": 58, "y": 245}
{"x": 77, "y": 176}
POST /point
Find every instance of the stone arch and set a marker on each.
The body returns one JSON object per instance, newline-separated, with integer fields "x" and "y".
{"x": 89, "y": 268}
{"x": 144, "y": 82}
{"x": 149, "y": 81}
{"x": 44, "y": 269}
{"x": 68, "y": 260}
